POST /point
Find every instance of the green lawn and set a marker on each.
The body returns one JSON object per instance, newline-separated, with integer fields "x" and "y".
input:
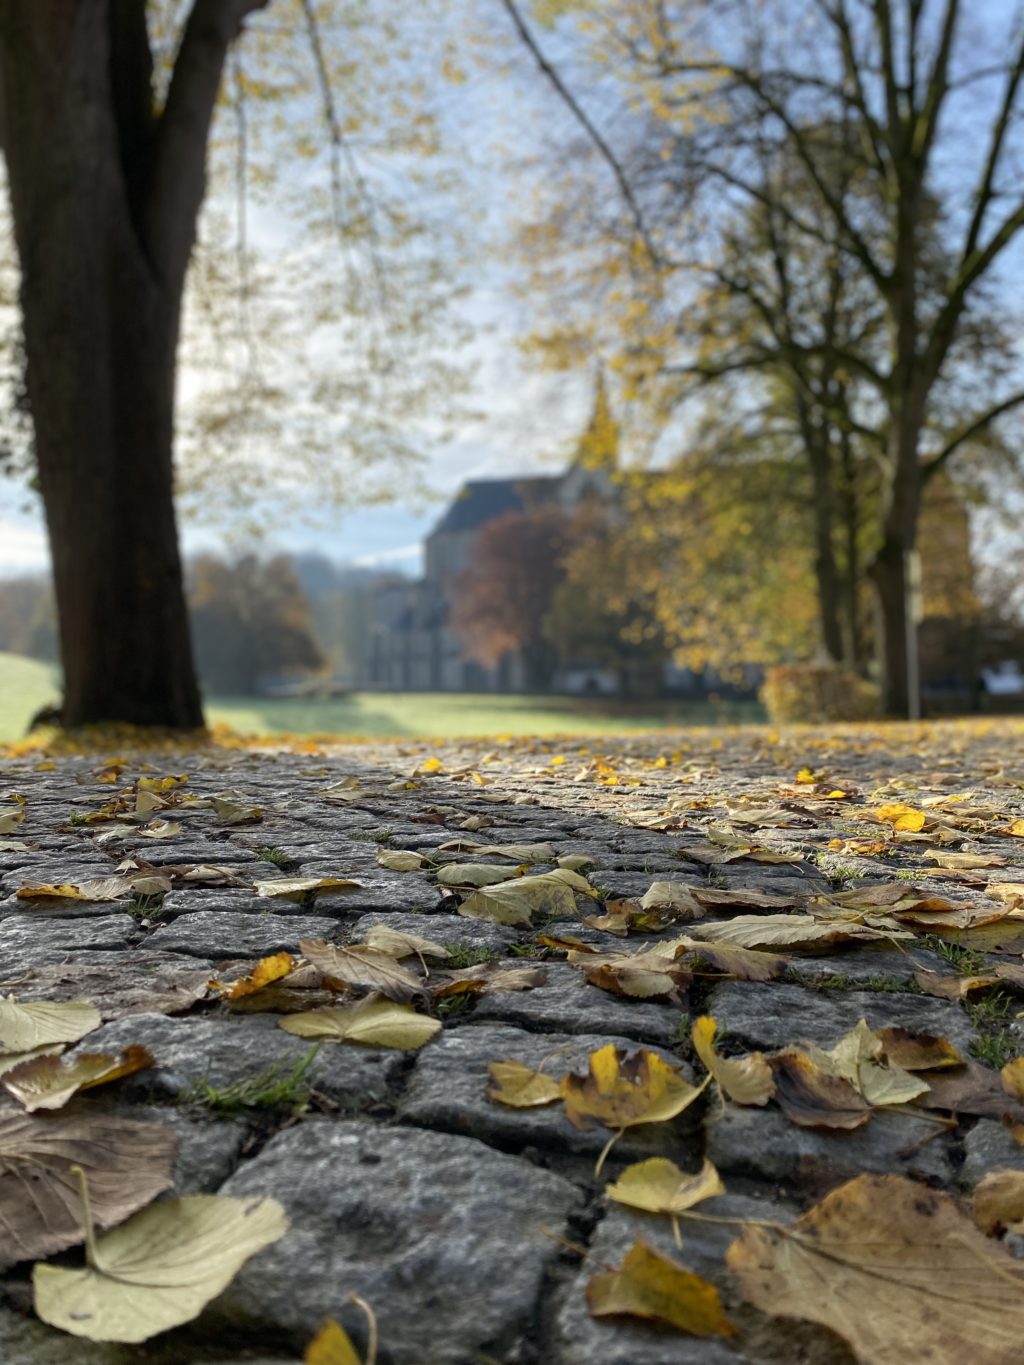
{"x": 26, "y": 684}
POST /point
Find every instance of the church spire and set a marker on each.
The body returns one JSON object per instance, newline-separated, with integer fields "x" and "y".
{"x": 599, "y": 445}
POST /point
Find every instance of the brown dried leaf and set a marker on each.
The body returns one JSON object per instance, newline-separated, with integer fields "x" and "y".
{"x": 127, "y": 1164}
{"x": 815, "y": 1098}
{"x": 49, "y": 1082}
{"x": 896, "y": 1269}
{"x": 363, "y": 967}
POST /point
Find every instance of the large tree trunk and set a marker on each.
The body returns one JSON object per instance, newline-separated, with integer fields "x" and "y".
{"x": 896, "y": 644}
{"x": 105, "y": 196}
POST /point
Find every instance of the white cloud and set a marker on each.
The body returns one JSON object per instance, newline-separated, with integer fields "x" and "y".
{"x": 402, "y": 554}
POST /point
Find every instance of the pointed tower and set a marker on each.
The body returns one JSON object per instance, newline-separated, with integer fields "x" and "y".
{"x": 599, "y": 445}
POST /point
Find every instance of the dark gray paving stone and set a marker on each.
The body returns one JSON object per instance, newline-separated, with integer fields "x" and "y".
{"x": 447, "y": 1089}
{"x": 441, "y": 1234}
{"x": 26, "y": 1341}
{"x": 74, "y": 868}
{"x": 226, "y": 900}
{"x": 224, "y": 1049}
{"x": 380, "y": 890}
{"x": 762, "y": 1144}
{"x": 448, "y": 930}
{"x": 168, "y": 852}
{"x": 568, "y": 1003}
{"x": 227, "y": 934}
{"x": 576, "y": 1338}
{"x": 33, "y": 939}
{"x": 772, "y": 1016}
{"x": 990, "y": 1146}
{"x": 860, "y": 963}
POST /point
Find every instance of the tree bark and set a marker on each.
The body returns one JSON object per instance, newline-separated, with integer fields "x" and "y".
{"x": 105, "y": 197}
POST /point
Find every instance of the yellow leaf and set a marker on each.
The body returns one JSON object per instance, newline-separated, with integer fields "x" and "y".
{"x": 746, "y": 1080}
{"x": 893, "y": 1267}
{"x": 375, "y": 1022}
{"x": 303, "y": 888}
{"x": 900, "y": 816}
{"x": 266, "y": 970}
{"x": 1013, "y": 1078}
{"x": 518, "y": 1086}
{"x": 652, "y": 1286}
{"x": 1016, "y": 828}
{"x": 39, "y": 1022}
{"x": 400, "y": 860}
{"x": 48, "y": 1082}
{"x": 159, "y": 1269}
{"x": 659, "y": 1186}
{"x": 999, "y": 1201}
{"x": 10, "y": 821}
{"x": 514, "y": 902}
{"x": 621, "y": 1090}
{"x": 332, "y": 1345}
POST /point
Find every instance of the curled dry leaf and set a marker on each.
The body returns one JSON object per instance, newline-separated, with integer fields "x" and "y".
{"x": 99, "y": 889}
{"x": 516, "y": 853}
{"x": 231, "y": 808}
{"x": 745, "y": 964}
{"x": 642, "y": 975}
{"x": 893, "y": 1267}
{"x": 745, "y": 1080}
{"x": 791, "y": 932}
{"x": 159, "y": 1269}
{"x": 652, "y": 1286}
{"x": 23, "y": 1027}
{"x": 675, "y": 899}
{"x": 400, "y": 860}
{"x": 48, "y": 1082}
{"x": 515, "y": 902}
{"x": 303, "y": 888}
{"x": 400, "y": 944}
{"x": 9, "y": 1060}
{"x": 859, "y": 1059}
{"x": 917, "y": 1051}
{"x": 999, "y": 1202}
{"x": 268, "y": 969}
{"x": 1012, "y": 1077}
{"x": 520, "y": 1087}
{"x": 472, "y": 875}
{"x": 815, "y": 1098}
{"x": 488, "y": 978}
{"x": 127, "y": 1165}
{"x": 659, "y": 1186}
{"x": 365, "y": 967}
{"x": 375, "y": 1022}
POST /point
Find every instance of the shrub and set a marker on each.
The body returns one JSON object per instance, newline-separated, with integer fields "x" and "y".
{"x": 815, "y": 693}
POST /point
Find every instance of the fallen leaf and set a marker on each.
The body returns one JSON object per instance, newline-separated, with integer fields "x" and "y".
{"x": 487, "y": 978}
{"x": 515, "y": 902}
{"x": 23, "y": 1027}
{"x": 659, "y": 1186}
{"x": 964, "y": 860}
{"x": 1012, "y": 1076}
{"x": 621, "y": 1090}
{"x": 159, "y": 1269}
{"x": 744, "y": 963}
{"x": 517, "y": 853}
{"x": 652, "y": 1286}
{"x": 101, "y": 889}
{"x": 375, "y": 1022}
{"x": 918, "y": 1051}
{"x": 400, "y": 860}
{"x": 332, "y": 1345}
{"x": 9, "y": 1060}
{"x": 232, "y": 809}
{"x": 518, "y": 1086}
{"x": 899, "y": 816}
{"x": 268, "y": 969}
{"x": 48, "y": 1082}
{"x": 999, "y": 1201}
{"x": 365, "y": 967}
{"x": 675, "y": 897}
{"x": 472, "y": 874}
{"x": 746, "y": 1080}
{"x": 893, "y": 1267}
{"x": 791, "y": 931}
{"x": 814, "y": 1098}
{"x": 303, "y": 888}
{"x": 642, "y": 975}
{"x": 127, "y": 1165}
{"x": 399, "y": 944}
{"x": 10, "y": 821}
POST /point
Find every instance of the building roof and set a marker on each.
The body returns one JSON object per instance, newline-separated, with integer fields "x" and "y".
{"x": 481, "y": 500}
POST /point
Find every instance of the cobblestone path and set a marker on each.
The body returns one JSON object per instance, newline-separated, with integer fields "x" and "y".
{"x": 461, "y": 1221}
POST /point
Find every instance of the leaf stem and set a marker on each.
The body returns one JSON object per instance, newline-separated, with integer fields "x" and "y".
{"x": 91, "y": 1253}
{"x": 606, "y": 1149}
{"x": 371, "y": 1328}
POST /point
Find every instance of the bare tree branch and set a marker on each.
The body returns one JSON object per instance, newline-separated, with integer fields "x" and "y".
{"x": 588, "y": 126}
